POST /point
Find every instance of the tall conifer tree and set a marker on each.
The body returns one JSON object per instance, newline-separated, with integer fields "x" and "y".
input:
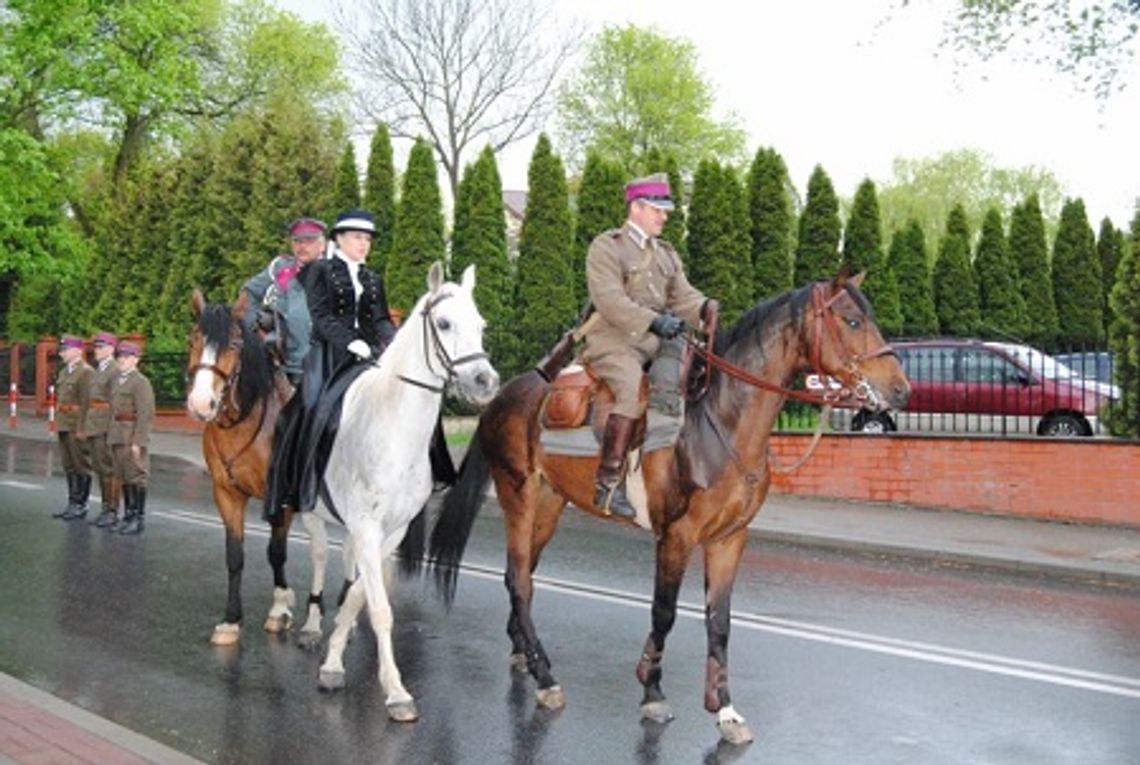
{"x": 1030, "y": 253}
{"x": 911, "y": 267}
{"x": 545, "y": 302}
{"x": 1109, "y": 246}
{"x": 863, "y": 251}
{"x": 380, "y": 196}
{"x": 417, "y": 238}
{"x": 1000, "y": 301}
{"x": 719, "y": 253}
{"x": 1077, "y": 284}
{"x": 771, "y": 218}
{"x": 601, "y": 207}
{"x": 955, "y": 288}
{"x": 1124, "y": 337}
{"x": 817, "y": 248}
{"x": 346, "y": 192}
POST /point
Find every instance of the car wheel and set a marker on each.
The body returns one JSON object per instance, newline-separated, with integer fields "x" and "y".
{"x": 873, "y": 422}
{"x": 1064, "y": 426}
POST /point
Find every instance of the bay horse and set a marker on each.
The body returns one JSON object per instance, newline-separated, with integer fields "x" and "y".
{"x": 827, "y": 326}
{"x": 378, "y": 475}
{"x": 234, "y": 389}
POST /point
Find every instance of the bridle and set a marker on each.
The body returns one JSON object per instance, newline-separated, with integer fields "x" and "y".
{"x": 438, "y": 352}
{"x": 822, "y": 308}
{"x": 229, "y": 380}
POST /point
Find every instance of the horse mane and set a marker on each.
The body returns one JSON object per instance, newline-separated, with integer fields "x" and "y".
{"x": 255, "y": 382}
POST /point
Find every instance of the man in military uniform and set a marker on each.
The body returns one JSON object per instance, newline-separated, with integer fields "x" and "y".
{"x": 638, "y": 287}
{"x": 73, "y": 391}
{"x": 132, "y": 416}
{"x": 96, "y": 425}
{"x": 277, "y": 297}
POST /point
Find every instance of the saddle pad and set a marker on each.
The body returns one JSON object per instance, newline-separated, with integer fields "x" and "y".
{"x": 661, "y": 431}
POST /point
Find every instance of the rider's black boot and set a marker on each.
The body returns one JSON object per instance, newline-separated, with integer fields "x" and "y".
{"x": 609, "y": 491}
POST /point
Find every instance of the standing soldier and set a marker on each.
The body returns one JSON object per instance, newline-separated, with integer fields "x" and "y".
{"x": 132, "y": 415}
{"x": 638, "y": 286}
{"x": 73, "y": 390}
{"x": 97, "y": 424}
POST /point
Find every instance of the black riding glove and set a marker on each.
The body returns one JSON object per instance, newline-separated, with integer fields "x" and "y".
{"x": 666, "y": 326}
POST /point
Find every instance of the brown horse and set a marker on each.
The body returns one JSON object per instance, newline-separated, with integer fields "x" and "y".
{"x": 703, "y": 491}
{"x": 233, "y": 388}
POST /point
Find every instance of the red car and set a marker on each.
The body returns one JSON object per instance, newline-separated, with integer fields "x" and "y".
{"x": 987, "y": 387}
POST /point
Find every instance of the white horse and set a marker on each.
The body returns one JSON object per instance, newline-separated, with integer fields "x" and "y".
{"x": 378, "y": 474}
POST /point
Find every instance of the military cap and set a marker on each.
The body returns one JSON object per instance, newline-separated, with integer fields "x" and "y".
{"x": 71, "y": 341}
{"x": 354, "y": 220}
{"x": 128, "y": 348}
{"x": 105, "y": 338}
{"x": 653, "y": 189}
{"x": 307, "y": 228}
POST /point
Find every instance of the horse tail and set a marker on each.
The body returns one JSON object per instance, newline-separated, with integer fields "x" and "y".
{"x": 413, "y": 545}
{"x": 457, "y": 516}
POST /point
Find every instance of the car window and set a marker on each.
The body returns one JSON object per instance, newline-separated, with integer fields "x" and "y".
{"x": 983, "y": 366}
{"x": 928, "y": 363}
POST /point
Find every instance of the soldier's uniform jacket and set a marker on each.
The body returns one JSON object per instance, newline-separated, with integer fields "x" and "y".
{"x": 72, "y": 393}
{"x": 132, "y": 409}
{"x": 99, "y": 406}
{"x": 631, "y": 278}
{"x": 279, "y": 289}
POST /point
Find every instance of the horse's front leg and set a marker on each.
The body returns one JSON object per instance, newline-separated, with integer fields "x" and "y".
{"x": 309, "y": 637}
{"x": 280, "y": 617}
{"x": 722, "y": 559}
{"x": 231, "y": 508}
{"x": 673, "y": 551}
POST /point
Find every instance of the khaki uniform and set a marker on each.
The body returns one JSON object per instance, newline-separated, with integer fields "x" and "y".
{"x": 72, "y": 396}
{"x": 98, "y": 420}
{"x": 631, "y": 278}
{"x": 132, "y": 416}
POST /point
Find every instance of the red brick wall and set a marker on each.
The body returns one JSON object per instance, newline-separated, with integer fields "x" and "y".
{"x": 1093, "y": 481}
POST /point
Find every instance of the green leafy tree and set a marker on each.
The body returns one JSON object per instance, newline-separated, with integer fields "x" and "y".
{"x": 999, "y": 297}
{"x": 417, "y": 239}
{"x": 910, "y": 266}
{"x": 1124, "y": 337}
{"x": 640, "y": 89}
{"x": 719, "y": 262}
{"x": 545, "y": 305}
{"x": 380, "y": 196}
{"x": 479, "y": 238}
{"x": 346, "y": 190}
{"x": 1030, "y": 253}
{"x": 601, "y": 206}
{"x": 955, "y": 287}
{"x": 1110, "y": 243}
{"x": 771, "y": 215}
{"x": 817, "y": 247}
{"x": 1077, "y": 284}
{"x": 863, "y": 251}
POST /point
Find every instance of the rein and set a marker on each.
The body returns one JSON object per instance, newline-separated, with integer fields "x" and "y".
{"x": 438, "y": 351}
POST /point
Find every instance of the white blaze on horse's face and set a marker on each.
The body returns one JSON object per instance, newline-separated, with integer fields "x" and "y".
{"x": 204, "y": 398}
{"x": 460, "y": 329}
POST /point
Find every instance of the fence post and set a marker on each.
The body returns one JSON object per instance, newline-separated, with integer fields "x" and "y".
{"x": 51, "y": 408}
{"x": 13, "y": 399}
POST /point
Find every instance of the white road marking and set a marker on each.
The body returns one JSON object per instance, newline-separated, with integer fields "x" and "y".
{"x": 21, "y": 485}
{"x": 1054, "y": 674}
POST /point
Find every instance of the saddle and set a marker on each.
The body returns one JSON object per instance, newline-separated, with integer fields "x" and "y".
{"x": 578, "y": 398}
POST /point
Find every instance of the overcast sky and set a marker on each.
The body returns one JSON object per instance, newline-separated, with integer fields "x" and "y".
{"x": 851, "y": 86}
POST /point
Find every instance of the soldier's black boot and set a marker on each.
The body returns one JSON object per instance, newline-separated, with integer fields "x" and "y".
{"x": 82, "y": 493}
{"x": 609, "y": 489}
{"x": 106, "y": 493}
{"x": 128, "y": 510}
{"x": 71, "y": 480}
{"x": 133, "y": 524}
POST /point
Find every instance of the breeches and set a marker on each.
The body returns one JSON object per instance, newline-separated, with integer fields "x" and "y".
{"x": 129, "y": 470}
{"x": 622, "y": 372}
{"x": 102, "y": 460}
{"x": 76, "y": 454}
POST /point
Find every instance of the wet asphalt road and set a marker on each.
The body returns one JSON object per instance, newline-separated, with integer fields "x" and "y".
{"x": 832, "y": 659}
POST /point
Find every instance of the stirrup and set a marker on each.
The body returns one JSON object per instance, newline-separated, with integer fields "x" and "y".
{"x": 612, "y": 500}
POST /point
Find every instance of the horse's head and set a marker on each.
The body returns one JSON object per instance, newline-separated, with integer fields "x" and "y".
{"x": 845, "y": 343}
{"x": 455, "y": 328}
{"x": 215, "y": 353}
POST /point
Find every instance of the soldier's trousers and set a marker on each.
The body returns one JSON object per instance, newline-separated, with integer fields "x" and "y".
{"x": 75, "y": 452}
{"x": 131, "y": 471}
{"x": 102, "y": 460}
{"x": 622, "y": 372}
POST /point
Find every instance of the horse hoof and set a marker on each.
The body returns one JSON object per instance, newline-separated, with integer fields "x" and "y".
{"x": 403, "y": 711}
{"x": 518, "y": 663}
{"x": 656, "y": 711}
{"x": 330, "y": 680}
{"x": 309, "y": 641}
{"x": 735, "y": 733}
{"x": 551, "y": 698}
{"x": 275, "y": 625}
{"x": 225, "y": 635}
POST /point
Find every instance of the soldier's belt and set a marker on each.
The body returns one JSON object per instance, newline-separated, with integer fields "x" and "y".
{"x": 68, "y": 407}
{"x": 99, "y": 405}
{"x": 125, "y": 418}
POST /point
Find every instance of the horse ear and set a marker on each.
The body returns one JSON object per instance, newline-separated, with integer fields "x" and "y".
{"x": 197, "y": 302}
{"x": 857, "y": 280}
{"x": 240, "y": 305}
{"x": 844, "y": 278}
{"x": 435, "y": 276}
{"x": 468, "y": 280}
